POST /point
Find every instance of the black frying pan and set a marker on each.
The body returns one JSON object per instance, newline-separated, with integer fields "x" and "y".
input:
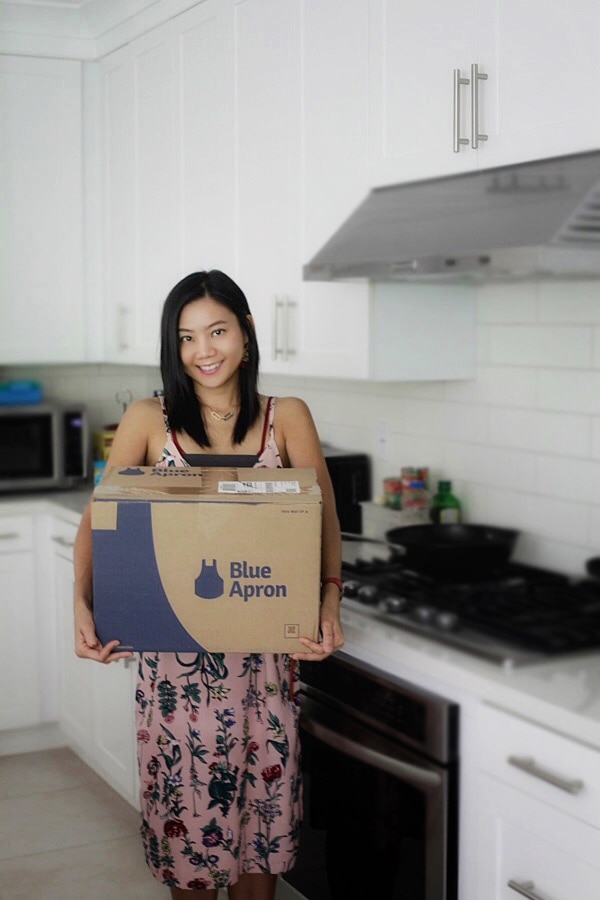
{"x": 455, "y": 550}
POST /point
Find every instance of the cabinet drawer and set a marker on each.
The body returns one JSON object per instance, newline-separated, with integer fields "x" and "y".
{"x": 541, "y": 763}
{"x": 16, "y": 533}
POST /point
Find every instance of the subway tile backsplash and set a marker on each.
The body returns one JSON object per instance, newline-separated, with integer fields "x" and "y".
{"x": 521, "y": 442}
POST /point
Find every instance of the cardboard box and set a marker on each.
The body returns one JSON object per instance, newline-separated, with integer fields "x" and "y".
{"x": 203, "y": 558}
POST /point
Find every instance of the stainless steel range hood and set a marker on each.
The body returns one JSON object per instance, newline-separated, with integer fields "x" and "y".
{"x": 538, "y": 219}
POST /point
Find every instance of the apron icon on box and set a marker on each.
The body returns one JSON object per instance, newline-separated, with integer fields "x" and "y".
{"x": 209, "y": 584}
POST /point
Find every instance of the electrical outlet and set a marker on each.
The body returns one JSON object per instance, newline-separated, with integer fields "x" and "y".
{"x": 382, "y": 441}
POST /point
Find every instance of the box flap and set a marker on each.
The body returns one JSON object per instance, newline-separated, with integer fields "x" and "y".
{"x": 194, "y": 483}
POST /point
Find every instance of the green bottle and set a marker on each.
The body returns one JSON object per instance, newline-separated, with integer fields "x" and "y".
{"x": 445, "y": 507}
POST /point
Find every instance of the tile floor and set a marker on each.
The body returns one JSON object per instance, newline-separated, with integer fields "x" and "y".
{"x": 66, "y": 835}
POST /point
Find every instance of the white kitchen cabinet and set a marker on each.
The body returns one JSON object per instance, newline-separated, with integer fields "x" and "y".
{"x": 141, "y": 194}
{"x": 414, "y": 51}
{"x": 543, "y": 96}
{"x": 41, "y": 261}
{"x": 527, "y": 844}
{"x": 19, "y": 698}
{"x": 300, "y": 168}
{"x": 268, "y": 166}
{"x": 535, "y": 818}
{"x": 204, "y": 104}
{"x": 168, "y": 124}
{"x": 531, "y": 106}
{"x": 96, "y": 703}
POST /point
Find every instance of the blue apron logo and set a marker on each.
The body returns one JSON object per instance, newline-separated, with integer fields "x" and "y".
{"x": 209, "y": 583}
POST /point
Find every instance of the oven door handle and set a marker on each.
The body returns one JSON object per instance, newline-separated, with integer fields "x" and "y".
{"x": 413, "y": 775}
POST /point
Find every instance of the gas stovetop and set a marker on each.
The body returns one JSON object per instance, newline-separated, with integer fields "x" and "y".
{"x": 516, "y": 615}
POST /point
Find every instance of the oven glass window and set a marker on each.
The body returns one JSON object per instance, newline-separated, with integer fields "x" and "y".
{"x": 26, "y": 446}
{"x": 364, "y": 831}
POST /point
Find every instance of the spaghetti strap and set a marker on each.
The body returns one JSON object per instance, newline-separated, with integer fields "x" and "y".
{"x": 268, "y": 424}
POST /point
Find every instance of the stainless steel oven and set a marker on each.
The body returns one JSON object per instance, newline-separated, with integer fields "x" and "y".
{"x": 380, "y": 774}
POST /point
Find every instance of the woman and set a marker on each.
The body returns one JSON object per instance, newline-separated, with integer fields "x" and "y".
{"x": 218, "y": 746}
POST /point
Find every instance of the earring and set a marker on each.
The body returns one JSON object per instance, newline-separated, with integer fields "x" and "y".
{"x": 245, "y": 358}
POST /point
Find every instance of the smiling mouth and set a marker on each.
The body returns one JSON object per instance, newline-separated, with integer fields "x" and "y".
{"x": 207, "y": 370}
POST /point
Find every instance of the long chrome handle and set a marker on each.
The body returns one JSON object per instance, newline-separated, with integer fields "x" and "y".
{"x": 278, "y": 305}
{"x": 122, "y": 316}
{"x": 457, "y": 139}
{"x": 413, "y": 775}
{"x": 476, "y": 77}
{"x": 289, "y": 349}
{"x": 526, "y": 764}
{"x": 525, "y": 889}
{"x": 9, "y": 535}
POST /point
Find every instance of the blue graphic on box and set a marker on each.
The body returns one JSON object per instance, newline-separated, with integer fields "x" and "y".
{"x": 130, "y": 603}
{"x": 247, "y": 581}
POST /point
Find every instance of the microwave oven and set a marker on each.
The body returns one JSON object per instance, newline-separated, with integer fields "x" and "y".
{"x": 43, "y": 446}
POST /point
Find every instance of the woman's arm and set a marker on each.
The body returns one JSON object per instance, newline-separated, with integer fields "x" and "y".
{"x": 129, "y": 448}
{"x": 299, "y": 443}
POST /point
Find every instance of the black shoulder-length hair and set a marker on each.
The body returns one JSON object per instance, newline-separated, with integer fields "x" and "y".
{"x": 183, "y": 406}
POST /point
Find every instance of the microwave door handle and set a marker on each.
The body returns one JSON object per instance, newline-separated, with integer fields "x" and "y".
{"x": 413, "y": 775}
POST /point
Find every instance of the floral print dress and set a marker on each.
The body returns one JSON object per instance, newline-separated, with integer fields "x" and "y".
{"x": 218, "y": 753}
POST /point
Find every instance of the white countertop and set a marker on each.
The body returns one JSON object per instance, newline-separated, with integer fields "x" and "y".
{"x": 70, "y": 504}
{"x": 562, "y": 694}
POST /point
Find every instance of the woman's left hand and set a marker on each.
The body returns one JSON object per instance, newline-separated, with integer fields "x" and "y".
{"x": 332, "y": 634}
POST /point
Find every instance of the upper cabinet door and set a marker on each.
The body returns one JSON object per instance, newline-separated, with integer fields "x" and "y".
{"x": 543, "y": 94}
{"x": 41, "y": 211}
{"x": 141, "y": 202}
{"x": 415, "y": 49}
{"x": 268, "y": 166}
{"x": 205, "y": 105}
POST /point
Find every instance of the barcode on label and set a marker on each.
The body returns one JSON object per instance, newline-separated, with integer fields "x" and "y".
{"x": 259, "y": 487}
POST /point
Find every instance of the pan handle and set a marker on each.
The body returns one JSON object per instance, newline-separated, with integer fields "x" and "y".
{"x": 361, "y": 539}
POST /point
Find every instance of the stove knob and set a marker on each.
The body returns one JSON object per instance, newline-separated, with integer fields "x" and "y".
{"x": 394, "y": 604}
{"x": 447, "y": 621}
{"x": 368, "y": 594}
{"x": 351, "y": 588}
{"x": 424, "y": 614}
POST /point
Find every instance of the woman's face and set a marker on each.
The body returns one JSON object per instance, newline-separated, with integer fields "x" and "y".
{"x": 211, "y": 343}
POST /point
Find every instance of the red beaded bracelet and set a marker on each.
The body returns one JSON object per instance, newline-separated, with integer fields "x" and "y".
{"x": 337, "y": 581}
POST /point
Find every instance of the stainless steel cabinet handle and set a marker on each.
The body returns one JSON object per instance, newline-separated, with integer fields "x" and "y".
{"x": 122, "y": 315}
{"x": 529, "y": 765}
{"x": 457, "y": 139}
{"x": 278, "y": 305}
{"x": 289, "y": 349}
{"x": 525, "y": 889}
{"x": 9, "y": 535}
{"x": 63, "y": 542}
{"x": 476, "y": 77}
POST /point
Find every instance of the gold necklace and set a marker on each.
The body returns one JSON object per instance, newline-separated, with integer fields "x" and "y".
{"x": 228, "y": 415}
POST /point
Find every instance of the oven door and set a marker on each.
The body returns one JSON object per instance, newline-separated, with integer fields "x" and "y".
{"x": 379, "y": 819}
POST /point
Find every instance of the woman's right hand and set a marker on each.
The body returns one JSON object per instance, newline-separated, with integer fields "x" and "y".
{"x": 87, "y": 644}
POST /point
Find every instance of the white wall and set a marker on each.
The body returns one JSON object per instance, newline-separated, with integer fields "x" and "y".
{"x": 521, "y": 442}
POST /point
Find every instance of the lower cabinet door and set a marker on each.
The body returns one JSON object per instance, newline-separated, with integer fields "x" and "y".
{"x": 19, "y": 697}
{"x": 529, "y": 849}
{"x": 75, "y": 682}
{"x": 96, "y": 702}
{"x": 113, "y": 713}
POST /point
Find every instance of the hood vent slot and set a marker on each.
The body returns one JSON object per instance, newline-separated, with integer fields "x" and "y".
{"x": 583, "y": 226}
